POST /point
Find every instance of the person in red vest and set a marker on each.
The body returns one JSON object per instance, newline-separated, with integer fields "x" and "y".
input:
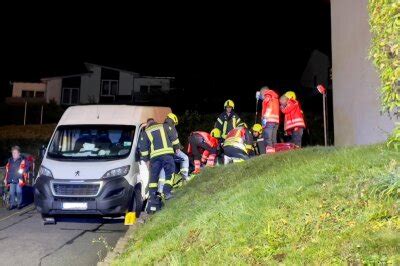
{"x": 238, "y": 145}
{"x": 294, "y": 118}
{"x": 270, "y": 117}
{"x": 16, "y": 174}
{"x": 203, "y": 146}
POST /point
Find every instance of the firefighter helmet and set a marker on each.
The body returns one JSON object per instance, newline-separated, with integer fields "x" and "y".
{"x": 229, "y": 103}
{"x": 290, "y": 95}
{"x": 215, "y": 133}
{"x": 173, "y": 117}
{"x": 257, "y": 128}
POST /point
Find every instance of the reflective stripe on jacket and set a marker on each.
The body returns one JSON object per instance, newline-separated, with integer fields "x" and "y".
{"x": 293, "y": 115}
{"x": 16, "y": 170}
{"x": 270, "y": 107}
{"x": 155, "y": 141}
{"x": 171, "y": 127}
{"x": 226, "y": 123}
{"x": 240, "y": 138}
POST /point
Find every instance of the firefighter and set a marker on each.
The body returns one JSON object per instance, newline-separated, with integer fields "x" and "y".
{"x": 204, "y": 148}
{"x": 172, "y": 121}
{"x": 15, "y": 178}
{"x": 270, "y": 117}
{"x": 294, "y": 118}
{"x": 258, "y": 141}
{"x": 156, "y": 149}
{"x": 228, "y": 120}
{"x": 238, "y": 145}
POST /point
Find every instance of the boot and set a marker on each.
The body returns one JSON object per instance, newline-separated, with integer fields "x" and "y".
{"x": 167, "y": 192}
{"x": 197, "y": 165}
{"x": 153, "y": 204}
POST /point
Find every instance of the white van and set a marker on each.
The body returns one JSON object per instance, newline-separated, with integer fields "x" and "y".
{"x": 91, "y": 163}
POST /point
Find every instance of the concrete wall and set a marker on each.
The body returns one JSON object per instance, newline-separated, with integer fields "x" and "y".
{"x": 90, "y": 86}
{"x": 18, "y": 87}
{"x": 356, "y": 105}
{"x": 164, "y": 83}
{"x": 53, "y": 90}
{"x": 125, "y": 83}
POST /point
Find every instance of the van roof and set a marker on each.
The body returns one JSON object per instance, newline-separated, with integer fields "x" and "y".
{"x": 112, "y": 114}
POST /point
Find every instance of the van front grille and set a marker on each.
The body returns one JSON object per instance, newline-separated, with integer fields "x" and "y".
{"x": 74, "y": 199}
{"x": 87, "y": 190}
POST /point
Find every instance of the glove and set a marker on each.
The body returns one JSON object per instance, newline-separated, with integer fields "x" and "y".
{"x": 258, "y": 95}
{"x": 264, "y": 122}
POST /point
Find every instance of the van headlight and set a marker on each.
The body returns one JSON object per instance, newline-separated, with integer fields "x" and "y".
{"x": 121, "y": 171}
{"x": 43, "y": 171}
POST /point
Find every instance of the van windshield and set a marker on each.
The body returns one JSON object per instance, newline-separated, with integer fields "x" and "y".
{"x": 97, "y": 142}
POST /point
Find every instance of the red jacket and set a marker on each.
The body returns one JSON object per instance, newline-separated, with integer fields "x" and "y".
{"x": 294, "y": 117}
{"x": 241, "y": 138}
{"x": 22, "y": 168}
{"x": 270, "y": 107}
{"x": 211, "y": 141}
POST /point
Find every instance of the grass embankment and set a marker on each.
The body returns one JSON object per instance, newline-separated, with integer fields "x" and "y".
{"x": 315, "y": 205}
{"x": 29, "y": 138}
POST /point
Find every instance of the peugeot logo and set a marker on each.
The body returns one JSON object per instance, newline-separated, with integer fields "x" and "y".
{"x": 77, "y": 173}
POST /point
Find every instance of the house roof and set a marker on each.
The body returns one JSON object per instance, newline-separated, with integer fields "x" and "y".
{"x": 69, "y": 70}
{"x": 152, "y": 77}
{"x": 112, "y": 68}
{"x": 66, "y": 76}
{"x": 83, "y": 69}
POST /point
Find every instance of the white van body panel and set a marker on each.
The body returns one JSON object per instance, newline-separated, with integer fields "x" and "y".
{"x": 112, "y": 115}
{"x": 92, "y": 170}
{"x": 84, "y": 170}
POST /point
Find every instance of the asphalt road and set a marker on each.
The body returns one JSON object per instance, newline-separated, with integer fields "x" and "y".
{"x": 24, "y": 240}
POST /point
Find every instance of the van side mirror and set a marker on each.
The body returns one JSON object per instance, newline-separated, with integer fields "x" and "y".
{"x": 42, "y": 151}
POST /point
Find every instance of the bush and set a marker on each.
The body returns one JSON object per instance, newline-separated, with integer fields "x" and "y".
{"x": 14, "y": 114}
{"x": 29, "y": 138}
{"x": 385, "y": 54}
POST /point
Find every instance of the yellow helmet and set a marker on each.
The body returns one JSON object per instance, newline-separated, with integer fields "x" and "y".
{"x": 257, "y": 128}
{"x": 173, "y": 117}
{"x": 216, "y": 133}
{"x": 229, "y": 103}
{"x": 290, "y": 95}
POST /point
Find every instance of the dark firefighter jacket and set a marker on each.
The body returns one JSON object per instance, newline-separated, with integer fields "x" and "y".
{"x": 156, "y": 140}
{"x": 226, "y": 122}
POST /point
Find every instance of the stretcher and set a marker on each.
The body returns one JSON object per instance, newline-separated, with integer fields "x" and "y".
{"x": 285, "y": 147}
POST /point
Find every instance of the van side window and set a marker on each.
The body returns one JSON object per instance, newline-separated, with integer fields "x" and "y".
{"x": 137, "y": 153}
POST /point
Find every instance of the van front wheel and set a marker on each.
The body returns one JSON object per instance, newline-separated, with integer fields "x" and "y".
{"x": 137, "y": 201}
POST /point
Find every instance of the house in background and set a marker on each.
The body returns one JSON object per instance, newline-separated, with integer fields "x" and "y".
{"x": 100, "y": 84}
{"x": 27, "y": 91}
{"x": 104, "y": 84}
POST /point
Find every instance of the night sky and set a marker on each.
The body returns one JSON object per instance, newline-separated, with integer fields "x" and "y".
{"x": 213, "y": 51}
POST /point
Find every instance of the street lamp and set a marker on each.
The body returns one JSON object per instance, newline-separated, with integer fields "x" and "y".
{"x": 321, "y": 89}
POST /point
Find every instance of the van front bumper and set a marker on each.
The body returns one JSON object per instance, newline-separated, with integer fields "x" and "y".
{"x": 113, "y": 196}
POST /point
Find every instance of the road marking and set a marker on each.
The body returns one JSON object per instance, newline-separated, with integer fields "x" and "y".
{"x": 15, "y": 213}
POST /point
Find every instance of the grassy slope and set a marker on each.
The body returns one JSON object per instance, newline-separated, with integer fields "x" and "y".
{"x": 314, "y": 205}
